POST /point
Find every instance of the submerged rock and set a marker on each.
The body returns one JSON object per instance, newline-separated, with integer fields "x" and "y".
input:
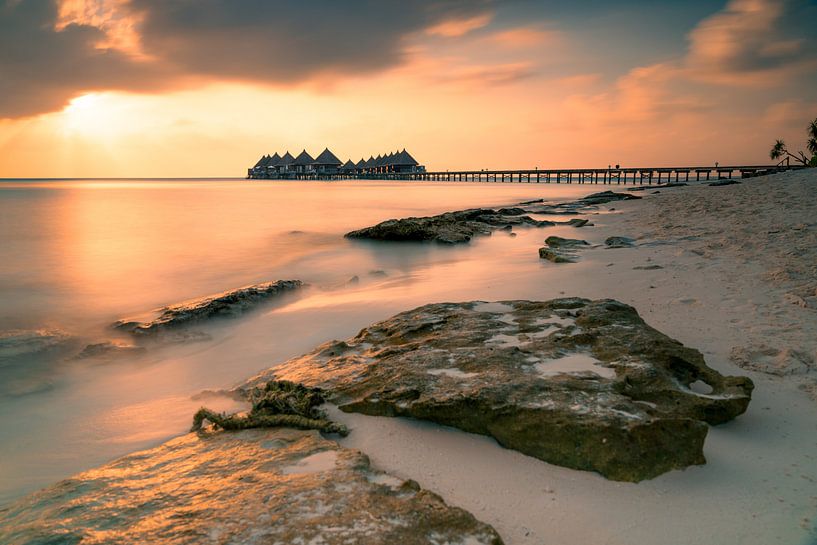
{"x": 254, "y": 486}
{"x": 553, "y": 210}
{"x": 578, "y": 383}
{"x": 109, "y": 349}
{"x": 19, "y": 343}
{"x": 229, "y": 304}
{"x": 576, "y": 222}
{"x": 449, "y": 228}
{"x": 658, "y": 186}
{"x": 607, "y": 196}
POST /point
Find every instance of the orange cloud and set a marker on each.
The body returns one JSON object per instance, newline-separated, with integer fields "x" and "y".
{"x": 454, "y": 28}
{"x": 748, "y": 44}
{"x": 522, "y": 37}
{"x": 489, "y": 74}
{"x": 113, "y": 17}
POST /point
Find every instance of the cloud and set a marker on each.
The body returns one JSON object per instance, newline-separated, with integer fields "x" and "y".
{"x": 454, "y": 28}
{"x": 752, "y": 42}
{"x": 523, "y": 37}
{"x": 489, "y": 74}
{"x": 49, "y": 55}
{"x": 41, "y": 68}
{"x": 790, "y": 114}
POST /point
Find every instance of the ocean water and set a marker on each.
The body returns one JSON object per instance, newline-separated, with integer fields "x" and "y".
{"x": 77, "y": 255}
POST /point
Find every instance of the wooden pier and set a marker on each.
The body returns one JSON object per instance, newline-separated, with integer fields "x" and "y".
{"x": 638, "y": 176}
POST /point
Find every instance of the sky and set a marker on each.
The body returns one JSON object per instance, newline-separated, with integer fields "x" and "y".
{"x": 184, "y": 88}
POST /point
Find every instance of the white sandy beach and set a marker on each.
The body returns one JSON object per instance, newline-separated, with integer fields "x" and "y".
{"x": 738, "y": 283}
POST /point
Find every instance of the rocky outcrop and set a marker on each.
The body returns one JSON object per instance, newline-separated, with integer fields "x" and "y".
{"x": 461, "y": 226}
{"x": 109, "y": 350}
{"x": 449, "y": 228}
{"x": 578, "y": 383}
{"x": 576, "y": 222}
{"x": 607, "y": 196}
{"x": 658, "y": 186}
{"x": 253, "y": 486}
{"x": 229, "y": 304}
{"x": 555, "y": 256}
{"x": 559, "y": 242}
{"x": 561, "y": 250}
{"x": 19, "y": 343}
{"x": 619, "y": 242}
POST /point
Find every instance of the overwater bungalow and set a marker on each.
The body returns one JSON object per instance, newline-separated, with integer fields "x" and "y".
{"x": 303, "y": 163}
{"x": 327, "y": 165}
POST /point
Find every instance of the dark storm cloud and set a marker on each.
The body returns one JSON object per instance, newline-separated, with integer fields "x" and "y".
{"x": 41, "y": 68}
{"x": 275, "y": 42}
{"x": 287, "y": 41}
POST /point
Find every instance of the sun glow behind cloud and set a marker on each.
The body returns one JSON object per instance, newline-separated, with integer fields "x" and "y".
{"x": 478, "y": 91}
{"x": 91, "y": 115}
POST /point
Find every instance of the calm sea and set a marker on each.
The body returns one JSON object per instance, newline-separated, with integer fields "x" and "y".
{"x": 77, "y": 255}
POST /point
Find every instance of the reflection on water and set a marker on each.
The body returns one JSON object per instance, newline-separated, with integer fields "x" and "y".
{"x": 78, "y": 255}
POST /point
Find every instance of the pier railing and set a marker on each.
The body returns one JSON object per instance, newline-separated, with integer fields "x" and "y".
{"x": 640, "y": 175}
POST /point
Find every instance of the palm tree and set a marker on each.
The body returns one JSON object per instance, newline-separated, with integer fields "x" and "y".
{"x": 779, "y": 150}
{"x": 812, "y": 137}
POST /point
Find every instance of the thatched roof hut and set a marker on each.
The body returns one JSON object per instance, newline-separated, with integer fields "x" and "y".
{"x": 287, "y": 159}
{"x": 303, "y": 159}
{"x": 327, "y": 158}
{"x": 261, "y": 162}
{"x": 404, "y": 158}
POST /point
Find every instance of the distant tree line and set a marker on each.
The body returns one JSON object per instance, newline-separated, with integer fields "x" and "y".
{"x": 780, "y": 151}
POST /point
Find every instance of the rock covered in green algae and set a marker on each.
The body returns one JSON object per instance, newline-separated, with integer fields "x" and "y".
{"x": 229, "y": 304}
{"x": 449, "y": 228}
{"x": 253, "y": 486}
{"x": 578, "y": 383}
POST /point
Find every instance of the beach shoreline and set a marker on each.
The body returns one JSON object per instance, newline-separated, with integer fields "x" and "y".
{"x": 758, "y": 483}
{"x": 694, "y": 275}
